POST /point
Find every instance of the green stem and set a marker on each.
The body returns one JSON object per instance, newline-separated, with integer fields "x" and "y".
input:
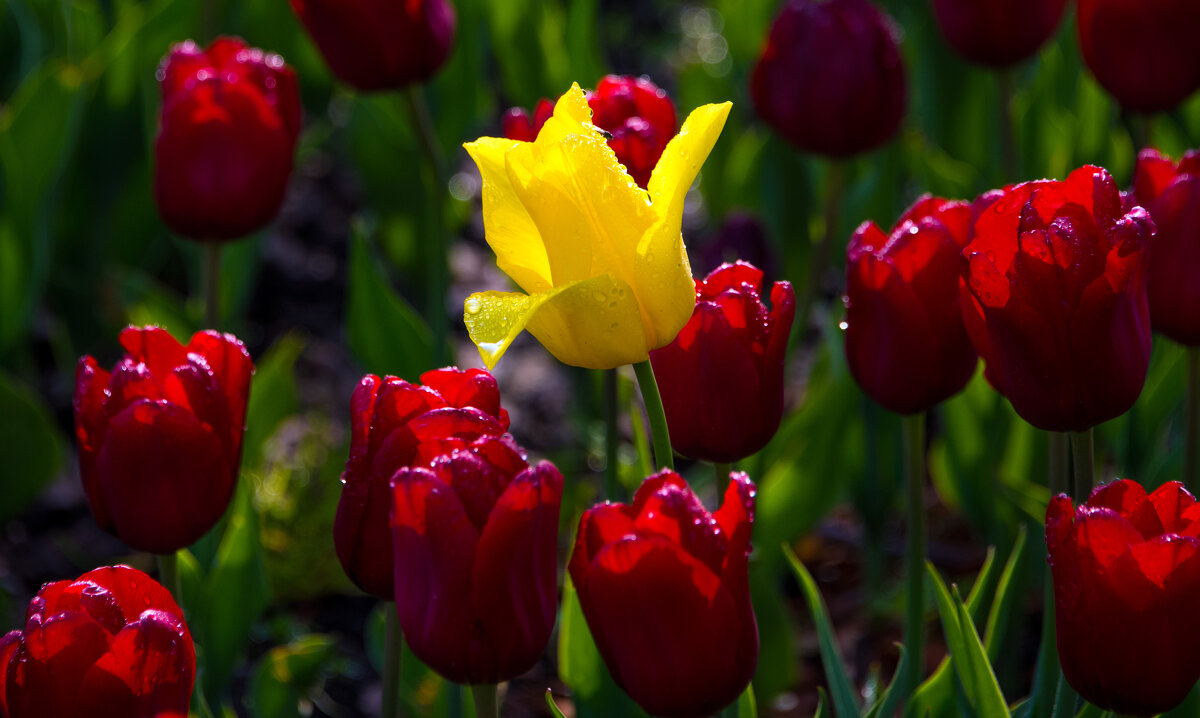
{"x": 913, "y": 428}
{"x": 1058, "y": 478}
{"x": 1049, "y": 677}
{"x": 435, "y": 241}
{"x": 664, "y": 458}
{"x": 722, "y": 470}
{"x": 486, "y": 705}
{"x": 1191, "y": 421}
{"x": 168, "y": 575}
{"x": 835, "y": 181}
{"x": 212, "y": 285}
{"x": 1008, "y": 142}
{"x": 1081, "y": 459}
{"x": 393, "y": 649}
{"x": 612, "y": 439}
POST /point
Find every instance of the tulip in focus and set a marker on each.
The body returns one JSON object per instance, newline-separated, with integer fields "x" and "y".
{"x": 830, "y": 78}
{"x": 1054, "y": 299}
{"x": 905, "y": 340}
{"x": 997, "y": 33}
{"x": 601, "y": 261}
{"x": 160, "y": 438}
{"x": 664, "y": 587}
{"x": 1171, "y": 193}
{"x": 476, "y": 555}
{"x": 1126, "y": 570}
{"x": 228, "y": 127}
{"x": 395, "y": 424}
{"x": 722, "y": 378}
{"x": 380, "y": 44}
{"x": 110, "y": 644}
{"x": 1144, "y": 52}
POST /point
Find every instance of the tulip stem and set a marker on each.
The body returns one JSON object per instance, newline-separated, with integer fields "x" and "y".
{"x": 1008, "y": 142}
{"x": 1058, "y": 478}
{"x": 168, "y": 574}
{"x": 913, "y": 428}
{"x": 835, "y": 181}
{"x": 393, "y": 649}
{"x": 486, "y": 705}
{"x": 663, "y": 456}
{"x": 722, "y": 470}
{"x": 1081, "y": 459}
{"x": 1192, "y": 421}
{"x": 612, "y": 439}
{"x": 435, "y": 240}
{"x": 212, "y": 285}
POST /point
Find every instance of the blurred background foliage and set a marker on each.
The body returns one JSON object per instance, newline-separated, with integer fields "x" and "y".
{"x": 333, "y": 289}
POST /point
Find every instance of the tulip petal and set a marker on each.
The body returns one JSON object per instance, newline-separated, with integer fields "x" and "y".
{"x": 9, "y": 643}
{"x": 594, "y": 323}
{"x": 133, "y": 591}
{"x": 516, "y": 570}
{"x": 683, "y": 157}
{"x": 52, "y": 656}
{"x": 147, "y": 670}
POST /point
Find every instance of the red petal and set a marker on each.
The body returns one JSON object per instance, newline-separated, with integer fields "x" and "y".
{"x": 731, "y": 276}
{"x": 149, "y": 669}
{"x": 48, "y": 667}
{"x": 230, "y": 363}
{"x": 9, "y": 643}
{"x": 1151, "y": 175}
{"x": 134, "y": 591}
{"x": 471, "y": 388}
{"x": 396, "y": 403}
{"x": 598, "y": 527}
{"x": 155, "y": 347}
{"x": 1170, "y": 501}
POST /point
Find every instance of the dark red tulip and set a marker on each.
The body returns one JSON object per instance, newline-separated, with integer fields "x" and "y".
{"x": 160, "y": 438}
{"x": 396, "y": 424}
{"x": 1171, "y": 193}
{"x": 110, "y": 644}
{"x": 380, "y": 44}
{"x": 1054, "y": 299}
{"x": 230, "y": 117}
{"x": 905, "y": 340}
{"x": 664, "y": 587}
{"x": 722, "y": 378}
{"x": 997, "y": 33}
{"x": 1144, "y": 52}
{"x": 1126, "y": 572}
{"x": 830, "y": 78}
{"x": 638, "y": 115}
{"x": 476, "y": 559}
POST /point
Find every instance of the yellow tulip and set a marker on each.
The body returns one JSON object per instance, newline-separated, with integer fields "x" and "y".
{"x": 602, "y": 261}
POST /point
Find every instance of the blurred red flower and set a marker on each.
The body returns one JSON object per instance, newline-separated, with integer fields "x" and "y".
{"x": 1171, "y": 193}
{"x": 998, "y": 33}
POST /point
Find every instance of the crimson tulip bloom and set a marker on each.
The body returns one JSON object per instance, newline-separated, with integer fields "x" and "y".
{"x": 722, "y": 378}
{"x": 380, "y": 44}
{"x": 1144, "y": 52}
{"x": 396, "y": 424}
{"x": 1171, "y": 193}
{"x": 160, "y": 438}
{"x": 1126, "y": 572}
{"x": 637, "y": 114}
{"x": 1054, "y": 299}
{"x": 998, "y": 33}
{"x": 227, "y": 131}
{"x": 476, "y": 555}
{"x": 830, "y": 78}
{"x": 664, "y": 587}
{"x": 905, "y": 340}
{"x": 110, "y": 644}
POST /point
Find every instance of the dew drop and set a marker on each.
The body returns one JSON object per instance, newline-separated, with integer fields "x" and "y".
{"x": 843, "y": 325}
{"x": 473, "y": 305}
{"x": 598, "y": 296}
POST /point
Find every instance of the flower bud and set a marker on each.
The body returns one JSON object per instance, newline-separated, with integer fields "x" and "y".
{"x": 160, "y": 438}
{"x": 722, "y": 378}
{"x": 830, "y": 78}
{"x": 227, "y": 131}
{"x": 1171, "y": 193}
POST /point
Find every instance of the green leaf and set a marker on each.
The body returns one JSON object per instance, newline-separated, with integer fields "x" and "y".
{"x": 552, "y": 705}
{"x": 272, "y": 396}
{"x": 844, "y": 703}
{"x": 970, "y": 660}
{"x": 30, "y": 443}
{"x": 822, "y": 704}
{"x": 1003, "y": 606}
{"x": 383, "y": 331}
{"x": 746, "y": 706}
{"x": 286, "y": 673}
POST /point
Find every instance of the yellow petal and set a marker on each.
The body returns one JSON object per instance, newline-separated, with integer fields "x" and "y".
{"x": 664, "y": 283}
{"x": 508, "y": 228}
{"x": 593, "y": 323}
{"x": 683, "y": 157}
{"x": 572, "y": 116}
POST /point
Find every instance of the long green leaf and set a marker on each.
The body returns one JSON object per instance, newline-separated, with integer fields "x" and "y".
{"x": 1002, "y": 604}
{"x": 969, "y": 658}
{"x": 552, "y": 705}
{"x": 844, "y": 702}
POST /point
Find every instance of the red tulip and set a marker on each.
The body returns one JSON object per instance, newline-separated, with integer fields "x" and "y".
{"x": 110, "y": 644}
{"x": 1126, "y": 576}
{"x": 1054, "y": 299}
{"x": 1171, "y": 193}
{"x": 830, "y": 78}
{"x": 638, "y": 115}
{"x": 380, "y": 44}
{"x": 396, "y": 424}
{"x": 905, "y": 340}
{"x": 664, "y": 587}
{"x": 476, "y": 559}
{"x": 722, "y": 378}
{"x": 230, "y": 117}
{"x": 998, "y": 33}
{"x": 1144, "y": 52}
{"x": 160, "y": 438}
